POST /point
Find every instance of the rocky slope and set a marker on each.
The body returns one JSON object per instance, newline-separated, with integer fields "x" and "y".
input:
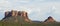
{"x": 49, "y": 20}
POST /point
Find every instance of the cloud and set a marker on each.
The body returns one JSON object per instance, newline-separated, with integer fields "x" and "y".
{"x": 42, "y": 0}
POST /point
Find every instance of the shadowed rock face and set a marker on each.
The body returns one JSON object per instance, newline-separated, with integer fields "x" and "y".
{"x": 15, "y": 13}
{"x": 49, "y": 20}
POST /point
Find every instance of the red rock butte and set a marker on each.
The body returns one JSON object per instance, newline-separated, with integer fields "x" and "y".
{"x": 15, "y": 13}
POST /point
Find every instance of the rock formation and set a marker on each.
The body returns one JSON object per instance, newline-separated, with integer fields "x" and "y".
{"x": 49, "y": 20}
{"x": 14, "y": 13}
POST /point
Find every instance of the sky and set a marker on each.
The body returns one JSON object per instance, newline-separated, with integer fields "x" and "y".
{"x": 37, "y": 9}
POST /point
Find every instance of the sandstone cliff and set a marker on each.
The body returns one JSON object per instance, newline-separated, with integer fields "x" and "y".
{"x": 16, "y": 16}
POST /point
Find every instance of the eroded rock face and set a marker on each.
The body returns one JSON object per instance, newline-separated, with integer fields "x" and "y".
{"x": 49, "y": 20}
{"x": 15, "y": 13}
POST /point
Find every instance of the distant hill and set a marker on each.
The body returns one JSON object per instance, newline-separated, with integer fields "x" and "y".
{"x": 49, "y": 20}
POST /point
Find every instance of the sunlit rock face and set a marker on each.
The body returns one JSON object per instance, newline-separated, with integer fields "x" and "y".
{"x": 49, "y": 20}
{"x": 14, "y": 14}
